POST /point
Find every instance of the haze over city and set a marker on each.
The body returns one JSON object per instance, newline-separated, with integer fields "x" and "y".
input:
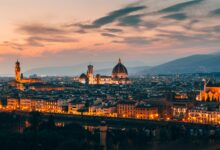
{"x": 53, "y": 33}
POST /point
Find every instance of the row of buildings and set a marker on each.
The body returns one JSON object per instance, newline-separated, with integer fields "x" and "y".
{"x": 181, "y": 111}
{"x": 123, "y": 109}
{"x": 196, "y": 112}
{"x": 28, "y": 105}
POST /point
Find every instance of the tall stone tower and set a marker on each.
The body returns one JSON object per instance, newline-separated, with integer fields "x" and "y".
{"x": 90, "y": 74}
{"x": 17, "y": 71}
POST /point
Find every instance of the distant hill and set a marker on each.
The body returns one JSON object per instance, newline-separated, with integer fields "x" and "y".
{"x": 192, "y": 64}
{"x": 104, "y": 68}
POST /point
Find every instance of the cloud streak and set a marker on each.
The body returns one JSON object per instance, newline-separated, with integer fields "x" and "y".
{"x": 216, "y": 12}
{"x": 131, "y": 20}
{"x": 180, "y": 6}
{"x": 39, "y": 41}
{"x": 114, "y": 30}
{"x": 40, "y": 29}
{"x": 133, "y": 41}
{"x": 109, "y": 35}
{"x": 113, "y": 16}
{"x": 177, "y": 16}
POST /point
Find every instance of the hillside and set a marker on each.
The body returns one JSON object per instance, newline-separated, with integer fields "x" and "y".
{"x": 192, "y": 64}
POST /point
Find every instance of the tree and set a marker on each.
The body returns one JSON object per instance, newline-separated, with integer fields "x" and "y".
{"x": 82, "y": 110}
{"x": 35, "y": 120}
{"x": 51, "y": 122}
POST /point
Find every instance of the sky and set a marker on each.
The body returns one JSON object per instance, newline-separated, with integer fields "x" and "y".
{"x": 63, "y": 33}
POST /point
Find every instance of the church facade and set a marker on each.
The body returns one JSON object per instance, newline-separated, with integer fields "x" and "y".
{"x": 119, "y": 76}
{"x": 211, "y": 92}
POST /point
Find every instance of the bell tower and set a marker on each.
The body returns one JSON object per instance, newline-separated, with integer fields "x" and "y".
{"x": 90, "y": 74}
{"x": 17, "y": 71}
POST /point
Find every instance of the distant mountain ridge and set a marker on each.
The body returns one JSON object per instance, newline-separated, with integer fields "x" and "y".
{"x": 204, "y": 63}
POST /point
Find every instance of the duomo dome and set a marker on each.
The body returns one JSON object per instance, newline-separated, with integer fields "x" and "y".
{"x": 119, "y": 71}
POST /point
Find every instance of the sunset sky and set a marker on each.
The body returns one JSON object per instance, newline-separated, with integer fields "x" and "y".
{"x": 67, "y": 32}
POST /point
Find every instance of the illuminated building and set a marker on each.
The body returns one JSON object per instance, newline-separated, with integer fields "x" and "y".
{"x": 73, "y": 107}
{"x": 19, "y": 76}
{"x": 33, "y": 83}
{"x": 119, "y": 76}
{"x": 12, "y": 104}
{"x": 210, "y": 93}
{"x": 148, "y": 112}
{"x": 180, "y": 107}
{"x": 90, "y": 75}
{"x": 179, "y": 111}
{"x": 17, "y": 71}
{"x": 204, "y": 115}
{"x": 129, "y": 109}
{"x": 46, "y": 105}
{"x": 126, "y": 109}
{"x": 27, "y": 104}
{"x": 181, "y": 96}
{"x": 102, "y": 111}
{"x": 109, "y": 111}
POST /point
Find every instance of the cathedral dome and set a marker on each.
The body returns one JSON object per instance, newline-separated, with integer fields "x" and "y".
{"x": 83, "y": 76}
{"x": 119, "y": 71}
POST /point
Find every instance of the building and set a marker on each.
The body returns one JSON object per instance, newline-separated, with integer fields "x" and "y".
{"x": 179, "y": 111}
{"x": 12, "y": 104}
{"x": 34, "y": 83}
{"x": 211, "y": 92}
{"x": 74, "y": 107}
{"x": 19, "y": 78}
{"x": 43, "y": 105}
{"x": 180, "y": 107}
{"x": 99, "y": 110}
{"x": 26, "y": 105}
{"x": 119, "y": 76}
{"x": 204, "y": 115}
{"x": 148, "y": 112}
{"x": 29, "y": 104}
{"x": 126, "y": 109}
{"x": 129, "y": 109}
